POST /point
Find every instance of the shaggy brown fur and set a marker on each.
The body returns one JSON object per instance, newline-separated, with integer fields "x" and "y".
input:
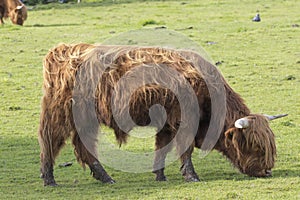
{"x": 14, "y": 9}
{"x": 255, "y": 151}
{"x": 72, "y": 71}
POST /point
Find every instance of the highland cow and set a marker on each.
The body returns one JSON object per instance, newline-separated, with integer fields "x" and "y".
{"x": 83, "y": 79}
{"x": 14, "y": 9}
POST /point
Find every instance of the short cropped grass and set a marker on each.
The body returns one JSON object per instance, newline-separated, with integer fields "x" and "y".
{"x": 261, "y": 61}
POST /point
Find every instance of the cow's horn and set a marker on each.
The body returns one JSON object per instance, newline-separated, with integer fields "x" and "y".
{"x": 271, "y": 117}
{"x": 20, "y": 7}
{"x": 241, "y": 123}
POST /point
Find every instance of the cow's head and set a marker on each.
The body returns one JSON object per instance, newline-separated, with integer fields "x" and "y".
{"x": 251, "y": 145}
{"x": 19, "y": 15}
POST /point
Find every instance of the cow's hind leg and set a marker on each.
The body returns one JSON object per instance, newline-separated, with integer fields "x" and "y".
{"x": 163, "y": 145}
{"x": 86, "y": 154}
{"x": 51, "y": 139}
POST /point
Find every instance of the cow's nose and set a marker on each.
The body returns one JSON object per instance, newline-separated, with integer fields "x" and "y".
{"x": 268, "y": 172}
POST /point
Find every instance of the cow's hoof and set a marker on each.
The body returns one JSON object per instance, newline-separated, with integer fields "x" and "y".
{"x": 108, "y": 180}
{"x": 191, "y": 178}
{"x": 111, "y": 181}
{"x": 51, "y": 183}
{"x": 161, "y": 178}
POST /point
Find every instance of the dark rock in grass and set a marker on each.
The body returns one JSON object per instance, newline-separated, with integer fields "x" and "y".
{"x": 66, "y": 164}
{"x": 290, "y": 78}
{"x": 160, "y": 27}
{"x": 219, "y": 62}
{"x": 14, "y": 108}
{"x": 211, "y": 42}
{"x": 182, "y": 29}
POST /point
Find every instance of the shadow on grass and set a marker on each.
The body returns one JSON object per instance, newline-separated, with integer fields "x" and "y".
{"x": 237, "y": 176}
{"x": 57, "y": 5}
{"x": 287, "y": 173}
{"x": 208, "y": 173}
{"x": 134, "y": 184}
{"x": 52, "y": 25}
{"x": 12, "y": 27}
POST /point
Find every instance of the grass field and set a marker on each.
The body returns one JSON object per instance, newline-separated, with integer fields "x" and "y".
{"x": 261, "y": 61}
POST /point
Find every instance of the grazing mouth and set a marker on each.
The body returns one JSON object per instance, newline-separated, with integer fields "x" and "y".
{"x": 262, "y": 174}
{"x": 268, "y": 173}
{"x": 265, "y": 173}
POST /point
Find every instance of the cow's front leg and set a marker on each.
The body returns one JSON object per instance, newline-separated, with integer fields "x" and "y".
{"x": 187, "y": 168}
{"x": 99, "y": 172}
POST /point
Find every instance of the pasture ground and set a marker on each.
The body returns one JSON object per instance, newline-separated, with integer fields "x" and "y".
{"x": 261, "y": 61}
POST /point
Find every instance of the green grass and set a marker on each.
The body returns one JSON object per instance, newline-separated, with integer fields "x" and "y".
{"x": 261, "y": 61}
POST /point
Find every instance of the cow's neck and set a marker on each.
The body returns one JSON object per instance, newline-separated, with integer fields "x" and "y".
{"x": 236, "y": 109}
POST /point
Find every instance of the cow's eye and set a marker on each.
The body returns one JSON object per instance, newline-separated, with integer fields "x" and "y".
{"x": 230, "y": 135}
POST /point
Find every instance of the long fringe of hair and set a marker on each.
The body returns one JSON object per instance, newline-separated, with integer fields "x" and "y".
{"x": 100, "y": 68}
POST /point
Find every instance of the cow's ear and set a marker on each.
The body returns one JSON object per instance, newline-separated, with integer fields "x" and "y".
{"x": 229, "y": 136}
